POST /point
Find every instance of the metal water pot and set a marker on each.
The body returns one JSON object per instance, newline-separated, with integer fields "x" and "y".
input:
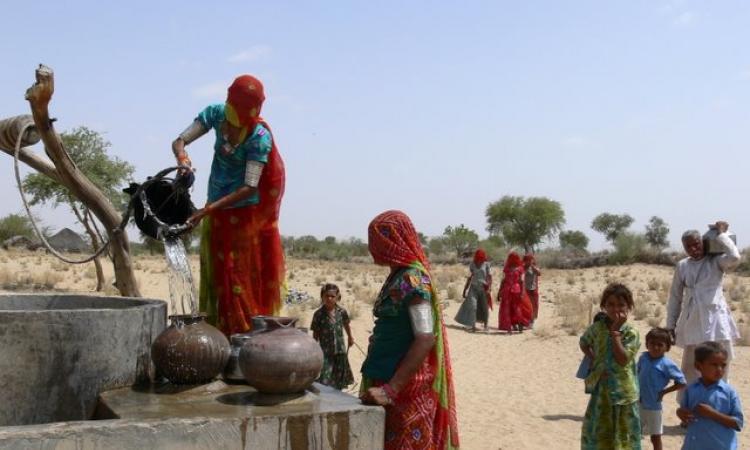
{"x": 711, "y": 245}
{"x": 232, "y": 371}
{"x": 280, "y": 359}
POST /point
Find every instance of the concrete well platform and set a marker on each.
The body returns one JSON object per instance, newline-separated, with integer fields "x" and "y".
{"x": 212, "y": 416}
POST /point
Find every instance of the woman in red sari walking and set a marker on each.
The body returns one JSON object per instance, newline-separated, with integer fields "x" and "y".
{"x": 515, "y": 307}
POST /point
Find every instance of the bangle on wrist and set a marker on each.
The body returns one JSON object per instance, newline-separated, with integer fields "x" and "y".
{"x": 615, "y": 333}
{"x": 390, "y": 392}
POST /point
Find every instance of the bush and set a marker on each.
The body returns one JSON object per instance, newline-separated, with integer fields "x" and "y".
{"x": 628, "y": 248}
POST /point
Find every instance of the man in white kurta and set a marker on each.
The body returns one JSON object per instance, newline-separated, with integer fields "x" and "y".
{"x": 697, "y": 310}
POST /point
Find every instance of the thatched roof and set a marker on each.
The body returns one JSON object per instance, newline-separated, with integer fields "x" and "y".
{"x": 67, "y": 240}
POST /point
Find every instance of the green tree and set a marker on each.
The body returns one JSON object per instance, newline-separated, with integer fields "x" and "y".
{"x": 656, "y": 233}
{"x": 628, "y": 247}
{"x": 460, "y": 239}
{"x": 573, "y": 240}
{"x": 524, "y": 221}
{"x": 16, "y": 225}
{"x": 88, "y": 150}
{"x": 436, "y": 246}
{"x": 611, "y": 225}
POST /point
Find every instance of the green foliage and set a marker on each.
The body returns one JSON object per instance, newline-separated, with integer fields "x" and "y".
{"x": 656, "y": 233}
{"x": 611, "y": 225}
{"x": 573, "y": 240}
{"x": 16, "y": 225}
{"x": 629, "y": 248}
{"x": 460, "y": 239}
{"x": 495, "y": 248}
{"x": 327, "y": 249}
{"x": 524, "y": 221}
{"x": 88, "y": 150}
{"x": 436, "y": 246}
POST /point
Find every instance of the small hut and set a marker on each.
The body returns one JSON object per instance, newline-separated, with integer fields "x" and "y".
{"x": 67, "y": 240}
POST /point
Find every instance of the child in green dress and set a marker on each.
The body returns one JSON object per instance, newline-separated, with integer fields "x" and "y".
{"x": 328, "y": 325}
{"x": 612, "y": 421}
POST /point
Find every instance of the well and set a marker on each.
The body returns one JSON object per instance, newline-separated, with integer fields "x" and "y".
{"x": 58, "y": 352}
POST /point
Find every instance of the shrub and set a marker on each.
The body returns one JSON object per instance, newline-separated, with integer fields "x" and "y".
{"x": 628, "y": 247}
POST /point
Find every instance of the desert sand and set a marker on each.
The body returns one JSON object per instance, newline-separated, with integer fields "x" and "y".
{"x": 513, "y": 391}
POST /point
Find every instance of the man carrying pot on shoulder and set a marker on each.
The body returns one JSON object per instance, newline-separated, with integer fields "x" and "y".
{"x": 697, "y": 310}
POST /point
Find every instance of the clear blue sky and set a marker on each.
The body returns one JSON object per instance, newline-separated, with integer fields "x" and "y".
{"x": 435, "y": 108}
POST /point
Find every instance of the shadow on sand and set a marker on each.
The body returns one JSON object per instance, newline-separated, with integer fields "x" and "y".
{"x": 572, "y": 417}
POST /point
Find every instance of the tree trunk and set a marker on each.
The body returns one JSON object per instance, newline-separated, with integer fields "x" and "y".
{"x": 85, "y": 220}
{"x": 39, "y": 96}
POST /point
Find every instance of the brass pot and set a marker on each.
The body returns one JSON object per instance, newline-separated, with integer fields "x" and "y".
{"x": 190, "y": 351}
{"x": 280, "y": 359}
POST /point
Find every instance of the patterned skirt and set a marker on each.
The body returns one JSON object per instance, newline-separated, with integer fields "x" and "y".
{"x": 416, "y": 420}
{"x": 336, "y": 371}
{"x": 242, "y": 267}
{"x": 610, "y": 427}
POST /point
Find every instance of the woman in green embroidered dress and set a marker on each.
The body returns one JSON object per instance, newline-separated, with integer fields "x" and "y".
{"x": 328, "y": 325}
{"x": 612, "y": 421}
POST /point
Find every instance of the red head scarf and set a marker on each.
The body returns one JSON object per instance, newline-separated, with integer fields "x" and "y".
{"x": 244, "y": 100}
{"x": 480, "y": 257}
{"x": 512, "y": 262}
{"x": 528, "y": 258}
{"x": 393, "y": 241}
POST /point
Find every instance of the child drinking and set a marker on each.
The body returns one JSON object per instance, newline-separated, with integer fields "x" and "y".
{"x": 710, "y": 406}
{"x": 328, "y": 325}
{"x": 612, "y": 420}
{"x": 654, "y": 373}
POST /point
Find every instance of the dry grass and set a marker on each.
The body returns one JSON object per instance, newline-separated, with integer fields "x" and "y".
{"x": 576, "y": 312}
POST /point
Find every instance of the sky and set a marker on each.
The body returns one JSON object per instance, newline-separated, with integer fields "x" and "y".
{"x": 436, "y": 108}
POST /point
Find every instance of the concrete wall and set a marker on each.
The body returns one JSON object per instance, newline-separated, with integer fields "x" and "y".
{"x": 357, "y": 429}
{"x": 58, "y": 352}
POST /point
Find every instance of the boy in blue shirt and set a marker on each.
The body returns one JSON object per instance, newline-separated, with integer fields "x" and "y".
{"x": 711, "y": 407}
{"x": 654, "y": 373}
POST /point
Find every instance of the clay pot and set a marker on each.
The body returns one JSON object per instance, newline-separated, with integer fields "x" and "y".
{"x": 280, "y": 359}
{"x": 190, "y": 351}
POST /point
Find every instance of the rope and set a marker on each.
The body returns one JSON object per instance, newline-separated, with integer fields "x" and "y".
{"x": 31, "y": 216}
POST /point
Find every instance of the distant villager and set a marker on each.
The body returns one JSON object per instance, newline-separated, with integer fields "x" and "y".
{"x": 476, "y": 294}
{"x": 328, "y": 325}
{"x": 515, "y": 311}
{"x": 408, "y": 368}
{"x": 697, "y": 310}
{"x": 242, "y": 261}
{"x": 531, "y": 282}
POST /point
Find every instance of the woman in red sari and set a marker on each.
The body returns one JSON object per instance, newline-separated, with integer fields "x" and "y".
{"x": 407, "y": 368}
{"x": 515, "y": 307}
{"x": 242, "y": 262}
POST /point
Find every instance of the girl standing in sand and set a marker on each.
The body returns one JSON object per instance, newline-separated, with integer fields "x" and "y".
{"x": 328, "y": 325}
{"x": 475, "y": 307}
{"x": 515, "y": 308}
{"x": 612, "y": 421}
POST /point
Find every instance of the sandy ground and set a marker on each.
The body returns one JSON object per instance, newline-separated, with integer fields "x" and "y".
{"x": 513, "y": 391}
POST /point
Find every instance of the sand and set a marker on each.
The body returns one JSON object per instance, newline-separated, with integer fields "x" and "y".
{"x": 513, "y": 391}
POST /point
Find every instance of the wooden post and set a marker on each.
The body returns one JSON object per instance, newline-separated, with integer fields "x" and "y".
{"x": 66, "y": 172}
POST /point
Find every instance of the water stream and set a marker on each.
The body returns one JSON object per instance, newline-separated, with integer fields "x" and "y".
{"x": 182, "y": 295}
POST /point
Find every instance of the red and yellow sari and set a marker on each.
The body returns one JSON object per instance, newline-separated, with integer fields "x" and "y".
{"x": 242, "y": 260}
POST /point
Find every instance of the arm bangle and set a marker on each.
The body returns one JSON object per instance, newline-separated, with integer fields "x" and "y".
{"x": 392, "y": 395}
